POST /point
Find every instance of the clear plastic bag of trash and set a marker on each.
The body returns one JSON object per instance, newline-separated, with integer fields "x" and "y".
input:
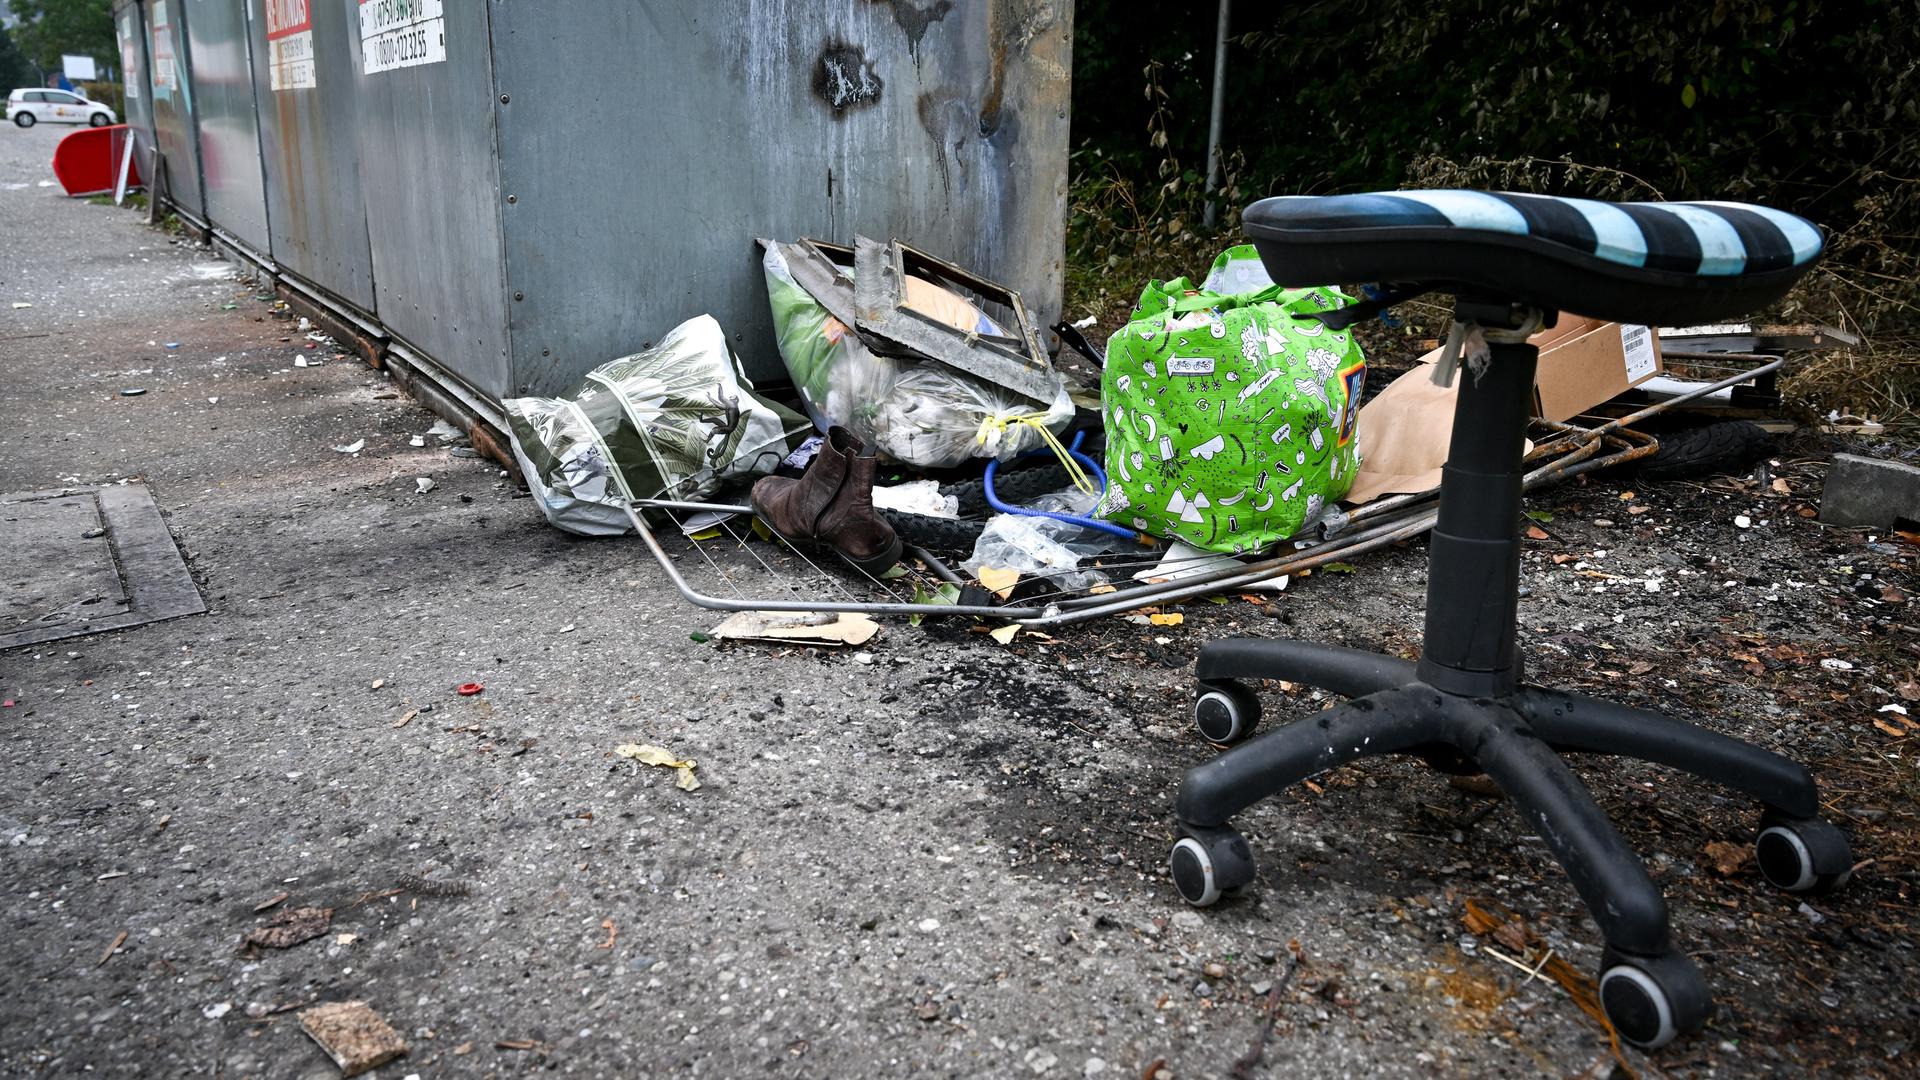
{"x": 675, "y": 421}
{"x": 1047, "y": 548}
{"x": 918, "y": 412}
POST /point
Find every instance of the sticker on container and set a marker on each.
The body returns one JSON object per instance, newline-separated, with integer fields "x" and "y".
{"x": 162, "y": 51}
{"x": 402, "y": 33}
{"x": 1636, "y": 342}
{"x": 290, "y": 45}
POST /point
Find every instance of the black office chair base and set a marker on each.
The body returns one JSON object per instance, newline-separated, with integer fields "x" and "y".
{"x": 1651, "y": 991}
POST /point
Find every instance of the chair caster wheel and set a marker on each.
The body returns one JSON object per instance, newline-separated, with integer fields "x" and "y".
{"x": 1802, "y": 855}
{"x": 1208, "y": 863}
{"x": 1225, "y": 712}
{"x": 1652, "y": 1000}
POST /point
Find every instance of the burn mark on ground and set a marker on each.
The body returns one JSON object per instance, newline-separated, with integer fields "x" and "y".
{"x": 844, "y": 78}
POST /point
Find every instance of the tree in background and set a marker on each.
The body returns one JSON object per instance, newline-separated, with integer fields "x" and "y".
{"x": 1808, "y": 105}
{"x": 50, "y": 29}
{"x": 14, "y": 69}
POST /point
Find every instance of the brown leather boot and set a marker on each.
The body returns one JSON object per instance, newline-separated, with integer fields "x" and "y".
{"x": 832, "y": 504}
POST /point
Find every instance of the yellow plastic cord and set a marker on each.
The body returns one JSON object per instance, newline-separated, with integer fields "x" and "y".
{"x": 1035, "y": 421}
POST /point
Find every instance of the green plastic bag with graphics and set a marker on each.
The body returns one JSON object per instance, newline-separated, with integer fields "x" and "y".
{"x": 1230, "y": 417}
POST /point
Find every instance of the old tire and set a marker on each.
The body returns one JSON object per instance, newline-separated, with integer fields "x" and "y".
{"x": 1013, "y": 486}
{"x": 1726, "y": 446}
{"x": 936, "y": 533}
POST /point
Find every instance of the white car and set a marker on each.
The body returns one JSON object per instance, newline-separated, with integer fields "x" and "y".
{"x": 28, "y": 107}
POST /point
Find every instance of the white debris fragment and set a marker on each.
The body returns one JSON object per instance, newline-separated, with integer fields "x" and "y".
{"x": 299, "y": 361}
{"x": 1742, "y": 521}
{"x": 306, "y": 324}
{"x": 1894, "y": 707}
{"x": 1836, "y": 665}
{"x": 216, "y": 1011}
{"x": 417, "y": 440}
{"x": 353, "y": 447}
{"x": 425, "y": 484}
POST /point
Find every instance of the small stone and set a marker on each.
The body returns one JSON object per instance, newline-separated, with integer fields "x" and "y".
{"x": 1063, "y": 935}
{"x": 928, "y": 926}
{"x": 93, "y": 534}
{"x": 1203, "y": 989}
{"x": 1094, "y": 1066}
{"x": 1603, "y": 523}
{"x": 863, "y": 658}
{"x": 1261, "y": 988}
{"x": 1214, "y": 969}
{"x": 1040, "y": 1060}
{"x": 1189, "y": 920}
{"x": 1742, "y": 521}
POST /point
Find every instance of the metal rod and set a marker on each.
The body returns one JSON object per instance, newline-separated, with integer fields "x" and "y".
{"x": 719, "y": 603}
{"x": 1219, "y": 109}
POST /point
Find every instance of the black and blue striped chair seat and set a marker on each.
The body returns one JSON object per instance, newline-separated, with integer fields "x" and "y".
{"x": 1632, "y": 262}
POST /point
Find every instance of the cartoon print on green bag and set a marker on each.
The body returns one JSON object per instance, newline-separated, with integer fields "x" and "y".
{"x": 1236, "y": 438}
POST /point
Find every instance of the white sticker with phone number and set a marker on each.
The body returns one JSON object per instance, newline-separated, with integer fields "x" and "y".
{"x": 402, "y": 33}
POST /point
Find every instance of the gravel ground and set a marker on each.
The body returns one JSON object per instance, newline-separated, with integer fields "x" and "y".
{"x": 946, "y": 859}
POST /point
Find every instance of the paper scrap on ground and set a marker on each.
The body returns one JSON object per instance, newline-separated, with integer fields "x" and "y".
{"x": 648, "y": 754}
{"x": 999, "y": 582}
{"x": 797, "y": 627}
{"x": 1184, "y": 561}
{"x": 1005, "y": 634}
{"x": 917, "y": 497}
{"x": 353, "y": 1035}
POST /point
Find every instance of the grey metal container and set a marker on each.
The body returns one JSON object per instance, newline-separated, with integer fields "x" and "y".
{"x": 172, "y": 99}
{"x": 542, "y": 187}
{"x": 130, "y": 28}
{"x": 316, "y": 205}
{"x": 221, "y": 77}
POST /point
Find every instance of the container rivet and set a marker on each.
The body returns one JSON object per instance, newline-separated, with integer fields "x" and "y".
{"x": 513, "y": 199}
{"x": 504, "y": 98}
{"x": 519, "y": 296}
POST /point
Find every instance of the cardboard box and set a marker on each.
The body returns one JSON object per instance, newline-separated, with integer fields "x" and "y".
{"x": 1584, "y": 362}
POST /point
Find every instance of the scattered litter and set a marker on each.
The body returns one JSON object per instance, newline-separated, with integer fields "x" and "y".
{"x": 353, "y": 447}
{"x": 1183, "y": 560}
{"x": 423, "y": 484}
{"x": 306, "y": 324}
{"x": 1742, "y": 521}
{"x": 917, "y": 497}
{"x": 1168, "y": 619}
{"x": 377, "y": 684}
{"x": 133, "y": 391}
{"x": 213, "y": 401}
{"x": 299, "y": 361}
{"x": 648, "y": 754}
{"x": 997, "y": 581}
{"x": 1729, "y": 858}
{"x": 417, "y": 440}
{"x": 290, "y": 927}
{"x": 406, "y": 718}
{"x": 118, "y": 940}
{"x": 802, "y": 627}
{"x": 613, "y": 933}
{"x": 272, "y": 901}
{"x": 173, "y": 344}
{"x": 18, "y": 304}
{"x": 468, "y": 689}
{"x": 1082, "y": 324}
{"x": 567, "y": 629}
{"x": 1892, "y": 707}
{"x": 1005, "y": 634}
{"x": 1836, "y": 665}
{"x": 217, "y": 1010}
{"x": 446, "y": 432}
{"x": 353, "y": 1035}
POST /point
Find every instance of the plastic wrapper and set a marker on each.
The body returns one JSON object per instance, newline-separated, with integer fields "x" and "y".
{"x": 840, "y": 380}
{"x": 1231, "y": 418}
{"x": 675, "y": 422}
{"x": 1045, "y": 547}
{"x": 918, "y": 412}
